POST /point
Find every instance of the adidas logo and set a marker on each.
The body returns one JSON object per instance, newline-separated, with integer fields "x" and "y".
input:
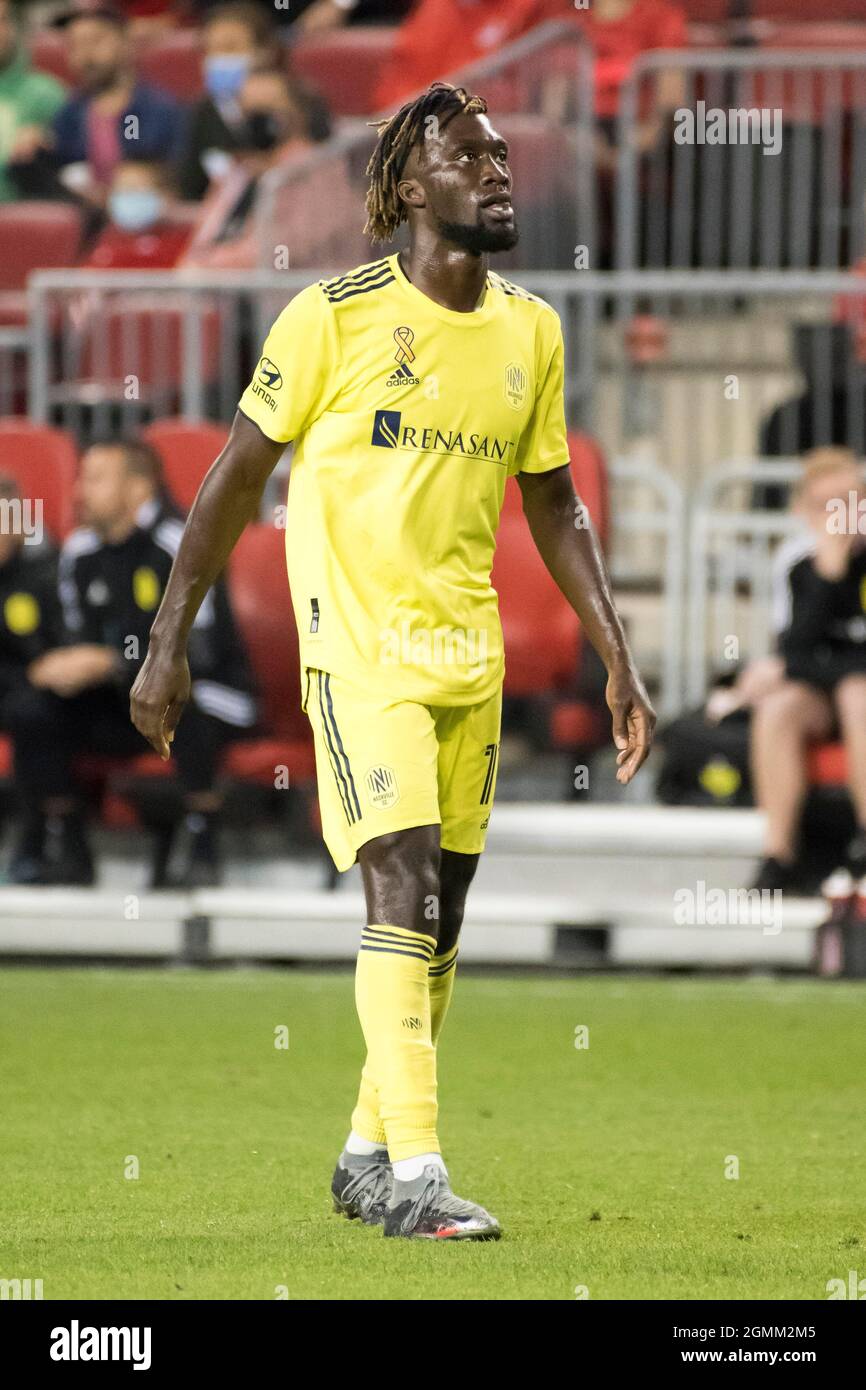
{"x": 411, "y": 1022}
{"x": 403, "y": 377}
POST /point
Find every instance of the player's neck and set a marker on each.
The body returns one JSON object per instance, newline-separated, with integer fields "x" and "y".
{"x": 449, "y": 276}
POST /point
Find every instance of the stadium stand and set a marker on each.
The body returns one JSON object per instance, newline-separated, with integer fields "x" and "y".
{"x": 43, "y": 461}
{"x": 99, "y": 340}
{"x": 33, "y": 236}
{"x": 259, "y": 593}
{"x": 128, "y": 340}
{"x": 545, "y": 646}
{"x": 343, "y": 65}
{"x": 187, "y": 449}
{"x": 125, "y": 788}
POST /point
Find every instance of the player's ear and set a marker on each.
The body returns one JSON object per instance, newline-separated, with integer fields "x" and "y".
{"x": 412, "y": 193}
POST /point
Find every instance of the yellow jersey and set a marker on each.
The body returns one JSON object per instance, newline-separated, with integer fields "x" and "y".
{"x": 407, "y": 418}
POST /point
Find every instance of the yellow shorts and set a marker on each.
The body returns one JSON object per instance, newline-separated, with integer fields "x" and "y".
{"x": 386, "y": 764}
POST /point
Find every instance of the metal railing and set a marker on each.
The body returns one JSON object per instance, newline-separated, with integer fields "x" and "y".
{"x": 648, "y": 503}
{"x": 109, "y": 347}
{"x": 112, "y": 351}
{"x": 731, "y": 547}
{"x": 681, "y": 203}
{"x": 729, "y": 204}
{"x": 158, "y": 342}
{"x": 14, "y": 349}
{"x": 715, "y": 364}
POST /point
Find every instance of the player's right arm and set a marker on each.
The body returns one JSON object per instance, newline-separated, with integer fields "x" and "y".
{"x": 229, "y": 497}
{"x": 296, "y": 377}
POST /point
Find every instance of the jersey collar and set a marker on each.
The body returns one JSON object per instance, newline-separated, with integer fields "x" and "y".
{"x": 474, "y": 319}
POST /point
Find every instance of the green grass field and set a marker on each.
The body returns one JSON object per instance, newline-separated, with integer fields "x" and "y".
{"x": 605, "y": 1165}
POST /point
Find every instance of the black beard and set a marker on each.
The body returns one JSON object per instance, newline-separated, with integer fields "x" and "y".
{"x": 476, "y": 238}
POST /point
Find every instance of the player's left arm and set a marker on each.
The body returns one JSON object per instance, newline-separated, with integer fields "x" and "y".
{"x": 568, "y": 545}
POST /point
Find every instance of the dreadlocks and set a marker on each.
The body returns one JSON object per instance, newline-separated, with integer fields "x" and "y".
{"x": 397, "y": 136}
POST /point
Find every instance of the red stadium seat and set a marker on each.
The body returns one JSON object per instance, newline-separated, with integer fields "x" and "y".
{"x": 590, "y": 482}
{"x": 828, "y": 765}
{"x": 807, "y": 10}
{"x": 48, "y": 54}
{"x": 142, "y": 336}
{"x": 576, "y": 723}
{"x": 262, "y": 605}
{"x": 187, "y": 452}
{"x": 345, "y": 66}
{"x": 36, "y": 236}
{"x": 171, "y": 61}
{"x": 33, "y": 236}
{"x": 542, "y": 633}
{"x": 174, "y": 63}
{"x": 43, "y": 460}
{"x": 543, "y": 639}
{"x": 820, "y": 33}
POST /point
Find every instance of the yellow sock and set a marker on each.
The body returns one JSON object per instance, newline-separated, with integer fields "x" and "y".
{"x": 365, "y": 1116}
{"x": 440, "y": 986}
{"x": 394, "y": 1008}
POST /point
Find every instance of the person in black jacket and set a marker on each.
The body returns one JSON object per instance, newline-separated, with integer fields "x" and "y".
{"x": 829, "y": 410}
{"x": 236, "y": 39}
{"x": 112, "y": 573}
{"x": 30, "y": 622}
{"x": 820, "y": 622}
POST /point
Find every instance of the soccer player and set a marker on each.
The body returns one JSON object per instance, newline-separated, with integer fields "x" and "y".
{"x": 412, "y": 387}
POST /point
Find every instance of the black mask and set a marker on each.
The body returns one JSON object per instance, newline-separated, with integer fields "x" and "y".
{"x": 261, "y": 131}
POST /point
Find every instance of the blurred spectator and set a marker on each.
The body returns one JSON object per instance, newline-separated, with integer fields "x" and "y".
{"x": 317, "y": 16}
{"x": 819, "y": 413}
{"x": 277, "y": 129}
{"x": 150, "y": 18}
{"x": 141, "y": 233}
{"x": 829, "y": 410}
{"x": 112, "y": 574}
{"x": 28, "y": 102}
{"x": 236, "y": 38}
{"x": 113, "y": 115}
{"x": 820, "y": 687}
{"x": 442, "y": 36}
{"x": 30, "y": 624}
{"x": 618, "y": 32}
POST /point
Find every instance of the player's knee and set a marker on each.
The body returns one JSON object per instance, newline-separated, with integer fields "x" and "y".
{"x": 450, "y": 922}
{"x": 401, "y": 878}
{"x": 455, "y": 876}
{"x": 787, "y": 707}
{"x": 851, "y": 699}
